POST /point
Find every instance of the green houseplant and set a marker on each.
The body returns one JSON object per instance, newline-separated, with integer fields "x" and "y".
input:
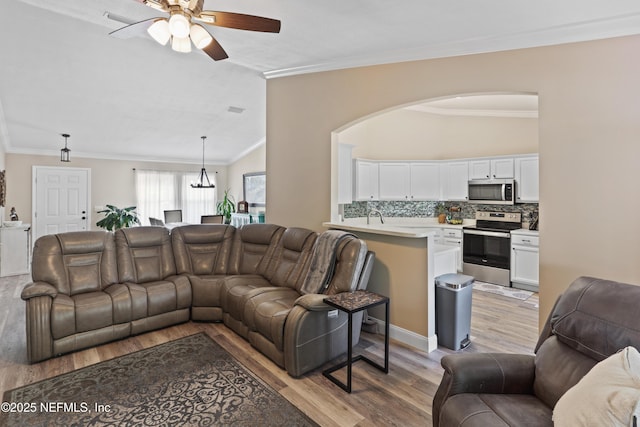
{"x": 115, "y": 218}
{"x": 226, "y": 206}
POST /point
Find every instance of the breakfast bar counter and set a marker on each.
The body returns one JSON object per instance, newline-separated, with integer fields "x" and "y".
{"x": 407, "y": 262}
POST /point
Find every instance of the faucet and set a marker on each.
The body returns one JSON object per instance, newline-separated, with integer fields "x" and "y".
{"x": 377, "y": 212}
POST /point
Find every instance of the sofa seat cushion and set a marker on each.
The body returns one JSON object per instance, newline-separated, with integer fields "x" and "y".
{"x": 496, "y": 410}
{"x": 267, "y": 312}
{"x": 90, "y": 311}
{"x": 206, "y": 290}
{"x": 235, "y": 289}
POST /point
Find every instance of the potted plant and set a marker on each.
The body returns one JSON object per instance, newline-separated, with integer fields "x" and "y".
{"x": 441, "y": 210}
{"x": 226, "y": 206}
{"x": 115, "y": 218}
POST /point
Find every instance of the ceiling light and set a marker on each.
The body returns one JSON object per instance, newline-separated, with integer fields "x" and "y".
{"x": 199, "y": 36}
{"x": 65, "y": 153}
{"x": 203, "y": 178}
{"x": 179, "y": 25}
{"x": 159, "y": 30}
{"x": 181, "y": 44}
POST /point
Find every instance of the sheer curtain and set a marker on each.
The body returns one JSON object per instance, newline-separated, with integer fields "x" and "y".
{"x": 157, "y": 191}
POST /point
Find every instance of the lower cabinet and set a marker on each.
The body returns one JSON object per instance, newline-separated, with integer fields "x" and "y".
{"x": 14, "y": 250}
{"x": 524, "y": 262}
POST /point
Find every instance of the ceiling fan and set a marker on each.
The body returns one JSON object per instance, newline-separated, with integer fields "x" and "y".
{"x": 181, "y": 31}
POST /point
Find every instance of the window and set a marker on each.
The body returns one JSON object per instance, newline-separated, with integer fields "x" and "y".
{"x": 157, "y": 191}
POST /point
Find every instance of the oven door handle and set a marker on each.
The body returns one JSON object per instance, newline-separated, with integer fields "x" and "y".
{"x": 487, "y": 233}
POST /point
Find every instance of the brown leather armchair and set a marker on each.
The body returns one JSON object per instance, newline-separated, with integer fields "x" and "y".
{"x": 592, "y": 320}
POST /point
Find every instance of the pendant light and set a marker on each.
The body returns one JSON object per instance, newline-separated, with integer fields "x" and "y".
{"x": 203, "y": 178}
{"x": 65, "y": 153}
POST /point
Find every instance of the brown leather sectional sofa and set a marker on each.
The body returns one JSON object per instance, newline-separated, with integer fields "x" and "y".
{"x": 262, "y": 280}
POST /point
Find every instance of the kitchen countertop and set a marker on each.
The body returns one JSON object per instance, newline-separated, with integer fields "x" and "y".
{"x": 416, "y": 228}
{"x": 525, "y": 232}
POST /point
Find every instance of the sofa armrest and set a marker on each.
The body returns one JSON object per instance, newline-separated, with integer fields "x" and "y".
{"x": 493, "y": 373}
{"x": 313, "y": 302}
{"x": 38, "y": 289}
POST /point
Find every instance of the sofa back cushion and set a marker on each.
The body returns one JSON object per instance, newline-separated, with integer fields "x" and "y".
{"x": 202, "y": 249}
{"x": 291, "y": 258}
{"x": 592, "y": 320}
{"x": 144, "y": 254}
{"x": 598, "y": 317}
{"x": 75, "y": 262}
{"x": 253, "y": 248}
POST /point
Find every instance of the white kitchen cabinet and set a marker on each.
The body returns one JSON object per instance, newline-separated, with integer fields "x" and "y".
{"x": 491, "y": 169}
{"x": 456, "y": 176}
{"x": 453, "y": 237}
{"x": 14, "y": 250}
{"x": 345, "y": 173}
{"x": 366, "y": 182}
{"x": 425, "y": 181}
{"x": 524, "y": 261}
{"x": 395, "y": 181}
{"x": 527, "y": 177}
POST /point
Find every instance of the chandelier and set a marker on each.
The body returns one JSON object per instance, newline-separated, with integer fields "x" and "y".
{"x": 203, "y": 178}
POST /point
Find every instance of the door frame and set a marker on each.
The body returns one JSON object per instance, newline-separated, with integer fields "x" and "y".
{"x": 34, "y": 191}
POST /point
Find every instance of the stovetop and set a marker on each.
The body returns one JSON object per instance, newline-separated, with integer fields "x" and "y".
{"x": 497, "y": 221}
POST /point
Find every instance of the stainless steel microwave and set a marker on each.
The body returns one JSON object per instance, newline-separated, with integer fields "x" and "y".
{"x": 493, "y": 191}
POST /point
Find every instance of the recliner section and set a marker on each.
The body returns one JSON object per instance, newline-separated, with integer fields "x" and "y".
{"x": 93, "y": 287}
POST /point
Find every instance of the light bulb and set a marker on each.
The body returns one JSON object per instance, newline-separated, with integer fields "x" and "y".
{"x": 159, "y": 30}
{"x": 199, "y": 36}
{"x": 181, "y": 44}
{"x": 179, "y": 25}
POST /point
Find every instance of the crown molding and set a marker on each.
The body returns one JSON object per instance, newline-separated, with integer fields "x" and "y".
{"x": 614, "y": 26}
{"x": 524, "y": 114}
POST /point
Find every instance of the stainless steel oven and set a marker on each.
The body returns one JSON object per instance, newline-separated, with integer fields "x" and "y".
{"x": 486, "y": 248}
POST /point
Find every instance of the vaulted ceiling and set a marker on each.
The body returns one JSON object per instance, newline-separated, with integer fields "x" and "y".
{"x": 61, "y": 72}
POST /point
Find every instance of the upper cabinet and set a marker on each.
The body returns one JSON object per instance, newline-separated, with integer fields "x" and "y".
{"x": 440, "y": 179}
{"x": 456, "y": 181}
{"x": 527, "y": 176}
{"x": 409, "y": 180}
{"x": 502, "y": 168}
{"x": 425, "y": 181}
{"x": 366, "y": 182}
{"x": 395, "y": 181}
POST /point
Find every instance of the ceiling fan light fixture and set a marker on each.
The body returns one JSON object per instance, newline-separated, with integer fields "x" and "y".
{"x": 200, "y": 37}
{"x": 179, "y": 25}
{"x": 159, "y": 31}
{"x": 181, "y": 44}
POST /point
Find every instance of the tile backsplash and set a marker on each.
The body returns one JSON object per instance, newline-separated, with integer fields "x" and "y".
{"x": 425, "y": 209}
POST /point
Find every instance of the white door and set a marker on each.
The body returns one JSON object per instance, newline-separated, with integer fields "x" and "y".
{"x": 60, "y": 200}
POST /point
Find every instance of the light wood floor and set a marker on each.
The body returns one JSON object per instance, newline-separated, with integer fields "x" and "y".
{"x": 402, "y": 398}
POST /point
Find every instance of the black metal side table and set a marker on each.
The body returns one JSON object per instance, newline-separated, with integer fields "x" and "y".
{"x": 350, "y": 303}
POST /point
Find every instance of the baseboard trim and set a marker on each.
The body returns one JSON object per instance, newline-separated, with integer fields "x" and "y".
{"x": 408, "y": 337}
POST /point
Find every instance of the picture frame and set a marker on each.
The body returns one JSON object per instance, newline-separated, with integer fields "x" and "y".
{"x": 254, "y": 188}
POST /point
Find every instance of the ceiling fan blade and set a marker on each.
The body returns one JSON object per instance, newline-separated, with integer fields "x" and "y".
{"x": 215, "y": 50}
{"x": 240, "y": 21}
{"x": 135, "y": 29}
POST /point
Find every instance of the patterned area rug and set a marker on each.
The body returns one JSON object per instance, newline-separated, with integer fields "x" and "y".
{"x": 502, "y": 290}
{"x": 188, "y": 382}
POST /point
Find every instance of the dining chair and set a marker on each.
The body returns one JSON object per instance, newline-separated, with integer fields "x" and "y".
{"x": 156, "y": 222}
{"x": 174, "y": 215}
{"x": 212, "y": 219}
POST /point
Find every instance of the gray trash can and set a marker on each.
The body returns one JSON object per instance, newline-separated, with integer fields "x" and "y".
{"x": 453, "y": 310}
